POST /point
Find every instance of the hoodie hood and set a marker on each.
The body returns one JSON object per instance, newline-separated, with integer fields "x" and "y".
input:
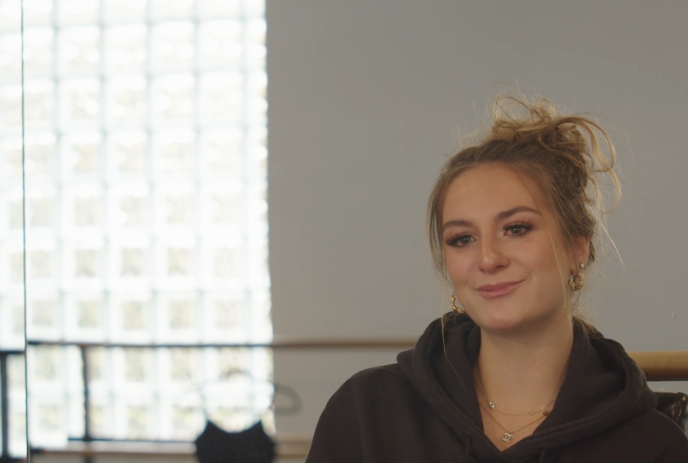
{"x": 603, "y": 387}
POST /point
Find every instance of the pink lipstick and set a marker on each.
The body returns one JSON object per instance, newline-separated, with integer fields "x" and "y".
{"x": 498, "y": 290}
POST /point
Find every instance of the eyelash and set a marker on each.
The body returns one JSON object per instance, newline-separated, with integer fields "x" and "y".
{"x": 454, "y": 241}
{"x": 526, "y": 227}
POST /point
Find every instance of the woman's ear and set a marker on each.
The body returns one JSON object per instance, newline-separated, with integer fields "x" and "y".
{"x": 581, "y": 250}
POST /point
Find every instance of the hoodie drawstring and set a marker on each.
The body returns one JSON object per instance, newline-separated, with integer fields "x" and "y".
{"x": 467, "y": 448}
{"x": 543, "y": 453}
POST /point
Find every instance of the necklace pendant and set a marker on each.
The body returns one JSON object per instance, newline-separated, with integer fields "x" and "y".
{"x": 492, "y": 405}
{"x": 507, "y": 437}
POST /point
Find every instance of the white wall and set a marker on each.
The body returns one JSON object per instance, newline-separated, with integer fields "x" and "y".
{"x": 368, "y": 97}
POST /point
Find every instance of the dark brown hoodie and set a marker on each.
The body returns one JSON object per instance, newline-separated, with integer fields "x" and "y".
{"x": 424, "y": 409}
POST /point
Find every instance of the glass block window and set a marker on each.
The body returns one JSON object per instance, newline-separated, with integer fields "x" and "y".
{"x": 146, "y": 213}
{"x": 11, "y": 223}
{"x": 16, "y": 410}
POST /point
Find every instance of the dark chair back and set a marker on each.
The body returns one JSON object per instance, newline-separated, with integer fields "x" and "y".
{"x": 675, "y": 406}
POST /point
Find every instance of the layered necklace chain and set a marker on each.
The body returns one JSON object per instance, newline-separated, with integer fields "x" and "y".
{"x": 493, "y": 407}
{"x": 508, "y": 436}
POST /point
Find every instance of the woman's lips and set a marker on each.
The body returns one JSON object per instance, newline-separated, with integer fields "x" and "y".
{"x": 498, "y": 289}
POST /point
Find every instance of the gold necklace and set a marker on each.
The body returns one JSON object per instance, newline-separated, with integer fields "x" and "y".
{"x": 508, "y": 436}
{"x": 530, "y": 413}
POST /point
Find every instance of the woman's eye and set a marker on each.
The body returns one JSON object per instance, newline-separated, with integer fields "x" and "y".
{"x": 459, "y": 240}
{"x": 518, "y": 229}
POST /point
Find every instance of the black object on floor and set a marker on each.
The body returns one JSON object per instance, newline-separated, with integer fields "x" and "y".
{"x": 215, "y": 445}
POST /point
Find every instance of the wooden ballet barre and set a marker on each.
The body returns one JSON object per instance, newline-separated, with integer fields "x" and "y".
{"x": 663, "y": 366}
{"x": 658, "y": 366}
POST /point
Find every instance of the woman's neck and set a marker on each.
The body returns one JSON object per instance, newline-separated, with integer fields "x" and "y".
{"x": 522, "y": 372}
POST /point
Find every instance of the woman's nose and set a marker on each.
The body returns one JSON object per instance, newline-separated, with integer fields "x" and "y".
{"x": 491, "y": 258}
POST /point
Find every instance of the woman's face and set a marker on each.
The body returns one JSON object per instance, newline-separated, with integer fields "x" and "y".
{"x": 503, "y": 252}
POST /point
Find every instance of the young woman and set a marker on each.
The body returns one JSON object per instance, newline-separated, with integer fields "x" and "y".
{"x": 514, "y": 374}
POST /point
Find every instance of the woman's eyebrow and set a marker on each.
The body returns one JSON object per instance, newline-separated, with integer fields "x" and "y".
{"x": 456, "y": 223}
{"x": 508, "y": 213}
{"x": 501, "y": 216}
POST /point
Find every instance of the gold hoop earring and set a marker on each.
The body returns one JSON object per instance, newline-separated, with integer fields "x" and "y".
{"x": 457, "y": 310}
{"x": 577, "y": 280}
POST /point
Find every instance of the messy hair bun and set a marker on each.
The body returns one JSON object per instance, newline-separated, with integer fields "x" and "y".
{"x": 564, "y": 154}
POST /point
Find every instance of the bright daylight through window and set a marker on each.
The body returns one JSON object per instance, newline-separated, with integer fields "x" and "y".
{"x": 146, "y": 217}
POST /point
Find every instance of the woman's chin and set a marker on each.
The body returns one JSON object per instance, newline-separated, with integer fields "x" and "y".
{"x": 501, "y": 326}
{"x": 502, "y": 321}
{"x": 514, "y": 322}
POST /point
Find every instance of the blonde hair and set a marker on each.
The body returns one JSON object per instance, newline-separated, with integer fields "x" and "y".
{"x": 562, "y": 154}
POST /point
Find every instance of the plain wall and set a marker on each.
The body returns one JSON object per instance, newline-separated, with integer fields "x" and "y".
{"x": 367, "y": 98}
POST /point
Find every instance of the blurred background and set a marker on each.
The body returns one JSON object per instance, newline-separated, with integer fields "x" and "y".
{"x": 148, "y": 194}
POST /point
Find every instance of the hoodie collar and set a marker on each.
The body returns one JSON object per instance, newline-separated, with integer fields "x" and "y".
{"x": 603, "y": 387}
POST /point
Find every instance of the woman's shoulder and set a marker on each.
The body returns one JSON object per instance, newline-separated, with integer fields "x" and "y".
{"x": 654, "y": 427}
{"x": 389, "y": 372}
{"x": 649, "y": 436}
{"x": 378, "y": 388}
{"x": 655, "y": 422}
{"x": 376, "y": 380}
